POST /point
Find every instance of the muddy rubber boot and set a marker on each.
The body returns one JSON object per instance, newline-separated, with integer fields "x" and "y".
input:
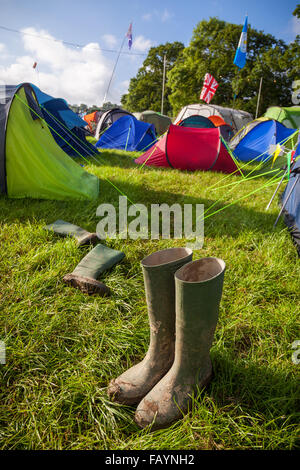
{"x": 198, "y": 293}
{"x": 158, "y": 270}
{"x": 84, "y": 276}
{"x": 66, "y": 229}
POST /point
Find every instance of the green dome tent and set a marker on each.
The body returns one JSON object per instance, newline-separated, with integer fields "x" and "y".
{"x": 289, "y": 116}
{"x": 160, "y": 121}
{"x": 32, "y": 164}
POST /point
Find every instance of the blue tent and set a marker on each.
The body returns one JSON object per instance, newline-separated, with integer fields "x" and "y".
{"x": 291, "y": 199}
{"x": 257, "y": 141}
{"x": 66, "y": 127}
{"x": 127, "y": 133}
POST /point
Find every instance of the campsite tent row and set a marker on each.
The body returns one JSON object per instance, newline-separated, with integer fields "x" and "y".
{"x": 128, "y": 133}
{"x": 197, "y": 148}
{"x": 232, "y": 120}
{"x": 159, "y": 121}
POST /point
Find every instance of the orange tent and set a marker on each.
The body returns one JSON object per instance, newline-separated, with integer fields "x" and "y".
{"x": 217, "y": 120}
{"x": 90, "y": 119}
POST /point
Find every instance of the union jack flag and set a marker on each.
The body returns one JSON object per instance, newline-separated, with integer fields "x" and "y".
{"x": 209, "y": 88}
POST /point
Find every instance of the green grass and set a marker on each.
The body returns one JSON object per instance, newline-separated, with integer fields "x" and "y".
{"x": 63, "y": 347}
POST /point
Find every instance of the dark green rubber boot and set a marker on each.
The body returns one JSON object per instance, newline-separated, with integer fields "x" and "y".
{"x": 66, "y": 229}
{"x": 158, "y": 269}
{"x": 84, "y": 276}
{"x": 198, "y": 294}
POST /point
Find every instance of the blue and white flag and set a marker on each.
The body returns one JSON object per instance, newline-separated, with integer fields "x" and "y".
{"x": 241, "y": 52}
{"x": 129, "y": 36}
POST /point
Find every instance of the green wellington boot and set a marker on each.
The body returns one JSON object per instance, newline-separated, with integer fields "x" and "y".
{"x": 84, "y": 276}
{"x": 66, "y": 229}
{"x": 198, "y": 294}
{"x": 158, "y": 270}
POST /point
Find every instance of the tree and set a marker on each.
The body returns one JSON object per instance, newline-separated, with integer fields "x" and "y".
{"x": 296, "y": 12}
{"x": 108, "y": 105}
{"x": 212, "y": 49}
{"x": 145, "y": 90}
{"x": 84, "y": 108}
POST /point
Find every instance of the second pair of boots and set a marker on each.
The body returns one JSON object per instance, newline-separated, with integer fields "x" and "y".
{"x": 99, "y": 259}
{"x": 183, "y": 298}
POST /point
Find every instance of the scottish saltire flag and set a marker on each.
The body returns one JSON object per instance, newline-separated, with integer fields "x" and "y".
{"x": 209, "y": 88}
{"x": 241, "y": 52}
{"x": 129, "y": 36}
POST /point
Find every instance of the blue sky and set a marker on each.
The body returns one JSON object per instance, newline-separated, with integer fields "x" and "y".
{"x": 82, "y": 74}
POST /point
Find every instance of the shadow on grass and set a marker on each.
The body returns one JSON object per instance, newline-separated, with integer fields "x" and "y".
{"x": 116, "y": 158}
{"x": 253, "y": 386}
{"x": 227, "y": 222}
{"x": 125, "y": 160}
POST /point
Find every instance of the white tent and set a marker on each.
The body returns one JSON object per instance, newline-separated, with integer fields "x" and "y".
{"x": 235, "y": 117}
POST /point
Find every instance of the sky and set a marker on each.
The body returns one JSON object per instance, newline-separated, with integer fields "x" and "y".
{"x": 90, "y": 70}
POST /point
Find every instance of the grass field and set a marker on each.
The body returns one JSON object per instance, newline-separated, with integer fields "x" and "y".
{"x": 63, "y": 347}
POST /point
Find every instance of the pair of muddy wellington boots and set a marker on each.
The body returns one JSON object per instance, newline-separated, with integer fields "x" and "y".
{"x": 183, "y": 298}
{"x": 99, "y": 259}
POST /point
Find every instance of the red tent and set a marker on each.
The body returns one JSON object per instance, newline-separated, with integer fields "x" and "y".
{"x": 187, "y": 148}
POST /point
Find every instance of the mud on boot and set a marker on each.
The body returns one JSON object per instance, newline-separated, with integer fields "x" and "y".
{"x": 198, "y": 294}
{"x": 158, "y": 270}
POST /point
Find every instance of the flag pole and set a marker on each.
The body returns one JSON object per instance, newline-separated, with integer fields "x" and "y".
{"x": 113, "y": 71}
{"x": 163, "y": 87}
{"x": 241, "y": 51}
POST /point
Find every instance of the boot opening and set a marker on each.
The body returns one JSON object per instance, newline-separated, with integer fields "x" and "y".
{"x": 201, "y": 270}
{"x": 166, "y": 256}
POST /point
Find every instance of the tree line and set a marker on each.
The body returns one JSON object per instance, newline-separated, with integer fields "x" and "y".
{"x": 84, "y": 108}
{"x": 212, "y": 50}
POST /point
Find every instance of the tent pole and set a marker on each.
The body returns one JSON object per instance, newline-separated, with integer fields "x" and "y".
{"x": 258, "y": 99}
{"x": 286, "y": 200}
{"x": 112, "y": 74}
{"x": 276, "y": 190}
{"x": 163, "y": 87}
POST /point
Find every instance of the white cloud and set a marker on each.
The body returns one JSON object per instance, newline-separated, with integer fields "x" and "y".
{"x": 141, "y": 44}
{"x": 296, "y": 25}
{"x": 3, "y": 52}
{"x": 147, "y": 17}
{"x": 79, "y": 75}
{"x": 163, "y": 16}
{"x": 124, "y": 86}
{"x": 110, "y": 40}
{"x": 166, "y": 15}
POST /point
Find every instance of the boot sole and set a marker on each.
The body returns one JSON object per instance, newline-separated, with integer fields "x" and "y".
{"x": 87, "y": 285}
